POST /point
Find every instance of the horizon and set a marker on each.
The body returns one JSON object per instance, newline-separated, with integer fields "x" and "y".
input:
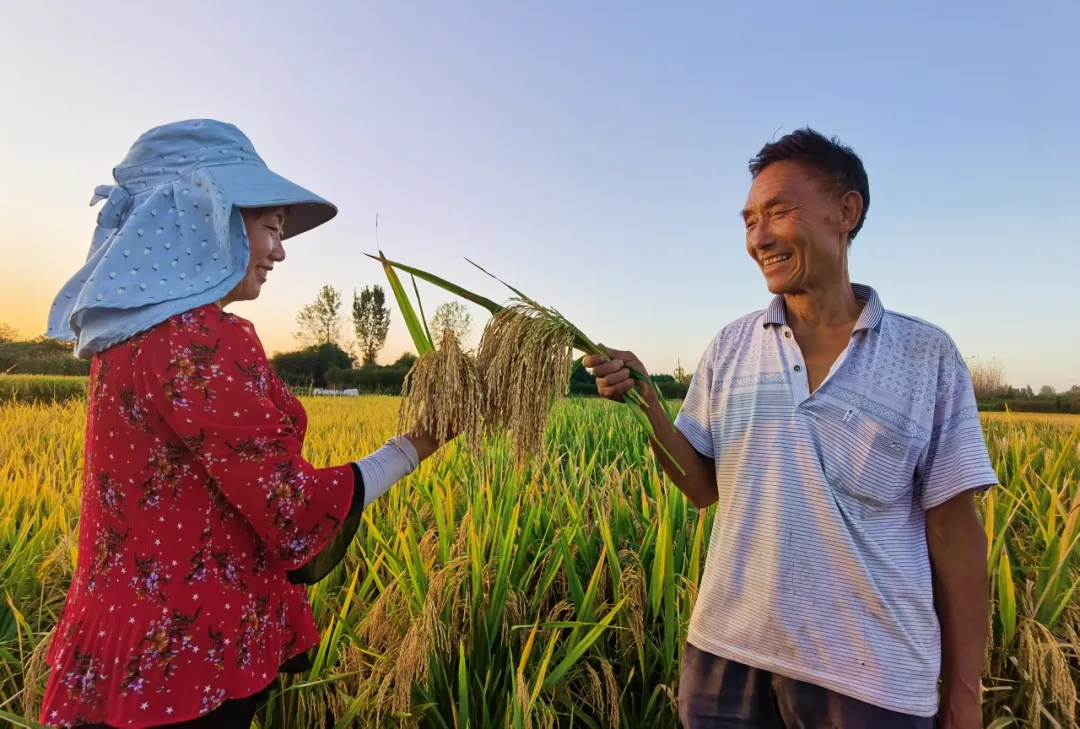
{"x": 604, "y": 152}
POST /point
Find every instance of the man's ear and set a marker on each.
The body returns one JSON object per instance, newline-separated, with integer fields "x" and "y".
{"x": 851, "y": 207}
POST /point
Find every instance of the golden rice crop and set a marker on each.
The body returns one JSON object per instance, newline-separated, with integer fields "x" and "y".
{"x": 479, "y": 593}
{"x": 443, "y": 393}
{"x": 526, "y": 359}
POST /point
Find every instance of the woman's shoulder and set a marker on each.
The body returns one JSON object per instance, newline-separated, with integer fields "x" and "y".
{"x": 200, "y": 332}
{"x": 209, "y": 322}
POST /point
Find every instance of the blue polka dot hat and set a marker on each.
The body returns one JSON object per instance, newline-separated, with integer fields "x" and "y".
{"x": 170, "y": 236}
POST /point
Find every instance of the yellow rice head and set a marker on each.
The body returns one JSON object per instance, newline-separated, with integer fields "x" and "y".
{"x": 525, "y": 359}
{"x": 443, "y": 393}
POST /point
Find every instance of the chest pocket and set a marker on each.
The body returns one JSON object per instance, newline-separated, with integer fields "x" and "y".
{"x": 865, "y": 459}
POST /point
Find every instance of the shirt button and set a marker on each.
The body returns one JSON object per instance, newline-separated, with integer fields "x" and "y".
{"x": 798, "y": 368}
{"x": 787, "y": 334}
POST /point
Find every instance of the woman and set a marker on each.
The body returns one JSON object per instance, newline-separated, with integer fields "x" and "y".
{"x": 201, "y": 520}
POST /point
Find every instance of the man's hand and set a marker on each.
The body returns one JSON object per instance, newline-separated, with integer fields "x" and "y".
{"x": 613, "y": 381}
{"x": 612, "y": 374}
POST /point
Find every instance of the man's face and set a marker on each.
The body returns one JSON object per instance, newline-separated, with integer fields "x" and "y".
{"x": 796, "y": 230}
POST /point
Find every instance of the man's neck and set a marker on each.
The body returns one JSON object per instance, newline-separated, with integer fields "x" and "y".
{"x": 823, "y": 308}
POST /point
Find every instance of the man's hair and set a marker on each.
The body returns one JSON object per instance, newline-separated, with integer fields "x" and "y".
{"x": 839, "y": 167}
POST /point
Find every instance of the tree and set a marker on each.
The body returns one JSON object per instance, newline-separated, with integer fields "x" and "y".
{"x": 371, "y": 321}
{"x": 320, "y": 321}
{"x": 308, "y": 367}
{"x": 405, "y": 361}
{"x": 454, "y": 316}
{"x": 8, "y": 333}
{"x": 682, "y": 376}
{"x": 1047, "y": 391}
{"x": 988, "y": 378}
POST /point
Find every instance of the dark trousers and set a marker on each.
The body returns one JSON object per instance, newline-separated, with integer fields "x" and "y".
{"x": 715, "y": 693}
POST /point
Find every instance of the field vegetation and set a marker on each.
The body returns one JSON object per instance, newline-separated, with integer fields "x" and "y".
{"x": 494, "y": 593}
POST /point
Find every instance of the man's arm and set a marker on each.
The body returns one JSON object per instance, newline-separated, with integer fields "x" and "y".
{"x": 613, "y": 380}
{"x": 699, "y": 480}
{"x": 956, "y": 467}
{"x": 957, "y": 545}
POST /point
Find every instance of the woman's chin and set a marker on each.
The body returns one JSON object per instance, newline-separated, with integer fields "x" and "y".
{"x": 246, "y": 291}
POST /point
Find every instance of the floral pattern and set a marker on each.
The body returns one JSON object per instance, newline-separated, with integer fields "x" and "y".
{"x": 196, "y": 503}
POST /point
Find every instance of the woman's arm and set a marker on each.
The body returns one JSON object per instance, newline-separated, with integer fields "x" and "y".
{"x": 207, "y": 378}
{"x": 374, "y": 475}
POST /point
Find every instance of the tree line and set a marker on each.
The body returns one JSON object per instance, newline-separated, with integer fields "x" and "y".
{"x": 325, "y": 357}
{"x": 320, "y": 322}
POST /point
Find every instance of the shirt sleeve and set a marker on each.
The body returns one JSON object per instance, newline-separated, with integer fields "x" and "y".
{"x": 694, "y": 417}
{"x": 206, "y": 376}
{"x": 331, "y": 555}
{"x": 956, "y": 457}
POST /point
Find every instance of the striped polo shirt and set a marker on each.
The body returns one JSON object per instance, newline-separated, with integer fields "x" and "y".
{"x": 818, "y": 567}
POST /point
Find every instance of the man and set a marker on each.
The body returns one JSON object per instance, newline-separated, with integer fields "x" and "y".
{"x": 841, "y": 445}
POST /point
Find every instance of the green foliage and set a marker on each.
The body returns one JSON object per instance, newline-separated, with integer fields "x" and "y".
{"x": 8, "y": 333}
{"x": 41, "y": 357}
{"x": 553, "y": 595}
{"x": 320, "y": 321}
{"x": 406, "y": 360}
{"x": 454, "y": 316}
{"x": 369, "y": 380}
{"x": 1062, "y": 403}
{"x": 371, "y": 322}
{"x": 308, "y": 367}
{"x": 41, "y": 389}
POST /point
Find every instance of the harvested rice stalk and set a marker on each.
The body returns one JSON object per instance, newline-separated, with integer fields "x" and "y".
{"x": 443, "y": 393}
{"x": 579, "y": 341}
{"x": 526, "y": 359}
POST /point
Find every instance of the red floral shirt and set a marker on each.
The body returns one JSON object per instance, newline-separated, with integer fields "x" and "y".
{"x": 196, "y": 504}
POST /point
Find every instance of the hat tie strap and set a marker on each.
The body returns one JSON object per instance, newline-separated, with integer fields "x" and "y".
{"x": 111, "y": 215}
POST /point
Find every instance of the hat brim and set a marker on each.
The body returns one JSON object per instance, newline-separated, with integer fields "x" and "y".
{"x": 255, "y": 186}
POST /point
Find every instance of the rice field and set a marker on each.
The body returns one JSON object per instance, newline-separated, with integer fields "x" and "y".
{"x": 494, "y": 593}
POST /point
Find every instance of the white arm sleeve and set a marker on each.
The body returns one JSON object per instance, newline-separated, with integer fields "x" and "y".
{"x": 386, "y": 466}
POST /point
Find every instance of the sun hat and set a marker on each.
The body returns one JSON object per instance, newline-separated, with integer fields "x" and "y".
{"x": 170, "y": 236}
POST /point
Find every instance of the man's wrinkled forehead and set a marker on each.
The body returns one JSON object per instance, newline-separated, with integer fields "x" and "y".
{"x": 786, "y": 182}
{"x": 781, "y": 183}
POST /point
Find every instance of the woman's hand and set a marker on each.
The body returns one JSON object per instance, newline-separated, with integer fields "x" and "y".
{"x": 427, "y": 443}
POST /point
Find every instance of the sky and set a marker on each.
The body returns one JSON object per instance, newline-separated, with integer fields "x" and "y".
{"x": 593, "y": 154}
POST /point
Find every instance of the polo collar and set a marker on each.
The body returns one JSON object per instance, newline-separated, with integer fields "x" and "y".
{"x": 870, "y": 318}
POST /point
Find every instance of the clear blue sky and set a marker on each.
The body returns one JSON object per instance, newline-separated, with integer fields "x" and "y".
{"x": 592, "y": 153}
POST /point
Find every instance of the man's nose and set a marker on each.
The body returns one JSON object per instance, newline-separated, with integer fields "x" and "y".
{"x": 759, "y": 238}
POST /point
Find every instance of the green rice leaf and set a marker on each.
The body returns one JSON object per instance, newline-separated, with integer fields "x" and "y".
{"x": 442, "y": 283}
{"x": 581, "y": 647}
{"x": 20, "y": 721}
{"x": 1006, "y": 597}
{"x": 463, "y": 688}
{"x": 518, "y": 293}
{"x": 416, "y": 331}
{"x": 420, "y": 305}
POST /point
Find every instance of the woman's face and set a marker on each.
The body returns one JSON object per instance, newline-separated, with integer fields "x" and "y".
{"x": 264, "y": 227}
